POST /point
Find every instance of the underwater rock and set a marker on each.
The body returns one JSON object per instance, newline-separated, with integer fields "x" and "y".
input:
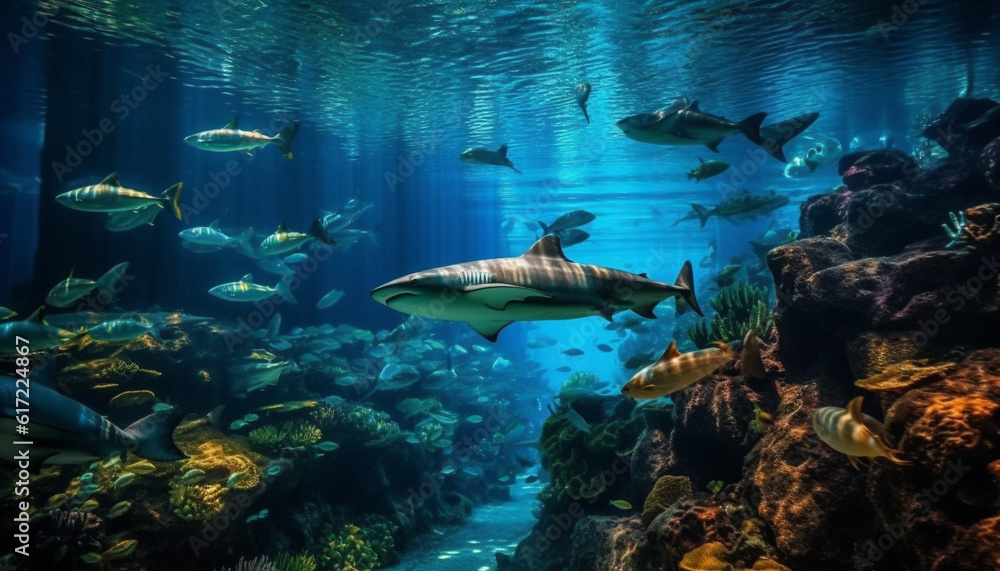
{"x": 820, "y": 213}
{"x": 965, "y": 127}
{"x": 601, "y": 543}
{"x": 989, "y": 164}
{"x": 865, "y": 169}
{"x": 804, "y": 490}
{"x": 667, "y": 491}
{"x": 649, "y": 459}
{"x": 943, "y": 506}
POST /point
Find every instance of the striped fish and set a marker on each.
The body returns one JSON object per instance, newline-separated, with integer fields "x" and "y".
{"x": 850, "y": 432}
{"x": 231, "y": 138}
{"x": 674, "y": 371}
{"x": 541, "y": 284}
{"x": 110, "y": 196}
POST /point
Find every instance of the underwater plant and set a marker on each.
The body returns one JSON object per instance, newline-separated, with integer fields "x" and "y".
{"x": 293, "y": 433}
{"x": 957, "y": 234}
{"x": 363, "y": 547}
{"x": 738, "y": 309}
{"x": 581, "y": 381}
{"x": 288, "y": 562}
{"x": 257, "y": 564}
{"x": 432, "y": 436}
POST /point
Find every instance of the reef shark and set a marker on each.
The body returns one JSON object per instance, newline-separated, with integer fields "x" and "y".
{"x": 541, "y": 284}
{"x": 741, "y": 207}
{"x": 488, "y": 157}
{"x": 231, "y": 138}
{"x": 63, "y": 431}
{"x": 683, "y": 123}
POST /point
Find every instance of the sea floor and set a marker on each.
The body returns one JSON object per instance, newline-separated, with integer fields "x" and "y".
{"x": 470, "y": 547}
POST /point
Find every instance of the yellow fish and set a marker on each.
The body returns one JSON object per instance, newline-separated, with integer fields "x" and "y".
{"x": 141, "y": 467}
{"x": 850, "y": 432}
{"x": 673, "y": 371}
{"x": 621, "y": 504}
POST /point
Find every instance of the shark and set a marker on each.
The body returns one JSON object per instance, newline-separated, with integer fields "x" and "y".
{"x": 775, "y": 135}
{"x": 63, "y": 431}
{"x": 683, "y": 123}
{"x": 39, "y": 333}
{"x": 541, "y": 284}
{"x": 582, "y": 93}
{"x": 231, "y": 138}
{"x": 488, "y": 157}
{"x": 741, "y": 207}
{"x": 110, "y": 196}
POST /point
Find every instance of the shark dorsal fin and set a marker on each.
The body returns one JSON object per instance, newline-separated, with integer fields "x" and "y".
{"x": 670, "y": 353}
{"x": 247, "y": 278}
{"x": 702, "y": 160}
{"x": 854, "y": 409}
{"x": 214, "y": 225}
{"x": 282, "y": 228}
{"x": 38, "y": 316}
{"x": 547, "y": 246}
{"x": 111, "y": 180}
{"x": 693, "y": 106}
{"x": 502, "y": 151}
{"x": 233, "y": 123}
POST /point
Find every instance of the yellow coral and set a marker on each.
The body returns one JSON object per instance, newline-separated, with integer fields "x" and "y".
{"x": 219, "y": 464}
{"x": 197, "y": 503}
{"x": 666, "y": 491}
{"x": 904, "y": 376}
{"x": 708, "y": 557}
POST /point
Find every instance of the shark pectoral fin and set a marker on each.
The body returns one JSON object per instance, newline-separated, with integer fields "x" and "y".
{"x": 645, "y": 310}
{"x": 489, "y": 329}
{"x": 714, "y": 145}
{"x": 497, "y": 296}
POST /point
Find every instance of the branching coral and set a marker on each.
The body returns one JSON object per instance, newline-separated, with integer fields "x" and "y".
{"x": 219, "y": 465}
{"x": 197, "y": 503}
{"x": 581, "y": 381}
{"x": 432, "y": 436}
{"x": 288, "y": 562}
{"x": 293, "y": 433}
{"x": 738, "y": 309}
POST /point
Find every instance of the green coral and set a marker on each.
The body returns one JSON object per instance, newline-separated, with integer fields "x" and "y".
{"x": 738, "y": 309}
{"x": 412, "y": 406}
{"x": 293, "y": 433}
{"x": 581, "y": 381}
{"x": 197, "y": 503}
{"x": 432, "y": 436}
{"x": 365, "y": 424}
{"x": 715, "y": 486}
{"x": 288, "y": 562}
{"x": 364, "y": 546}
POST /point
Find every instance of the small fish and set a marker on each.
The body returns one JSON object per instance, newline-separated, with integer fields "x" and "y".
{"x": 193, "y": 476}
{"x": 327, "y": 446}
{"x": 119, "y": 509}
{"x": 141, "y": 468}
{"x": 531, "y": 479}
{"x": 621, "y": 504}
{"x": 488, "y": 157}
{"x": 87, "y": 477}
{"x": 576, "y": 420}
{"x": 274, "y": 469}
{"x": 500, "y": 364}
{"x": 582, "y": 93}
{"x": 674, "y": 371}
{"x": 119, "y": 550}
{"x": 295, "y": 258}
{"x": 330, "y": 299}
{"x": 448, "y": 469}
{"x": 103, "y": 386}
{"x": 474, "y": 419}
{"x": 852, "y": 433}
{"x": 480, "y": 349}
{"x": 251, "y": 418}
{"x": 564, "y": 369}
{"x": 132, "y": 398}
{"x": 124, "y": 480}
{"x": 238, "y": 424}
{"x": 56, "y": 501}
{"x": 572, "y": 352}
{"x": 503, "y": 479}
{"x": 605, "y": 348}
{"x": 235, "y": 478}
{"x": 161, "y": 407}
{"x": 707, "y": 170}
{"x": 91, "y": 558}
{"x": 89, "y": 506}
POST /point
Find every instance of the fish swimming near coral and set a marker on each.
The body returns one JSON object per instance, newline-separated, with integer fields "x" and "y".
{"x": 541, "y": 284}
{"x": 42, "y": 335}
{"x": 674, "y": 371}
{"x": 741, "y": 207}
{"x": 683, "y": 123}
{"x": 487, "y": 157}
{"x": 254, "y": 375}
{"x": 110, "y": 196}
{"x": 71, "y": 289}
{"x": 63, "y": 431}
{"x": 707, "y": 170}
{"x": 231, "y": 138}
{"x": 578, "y": 421}
{"x": 582, "y": 93}
{"x": 853, "y": 433}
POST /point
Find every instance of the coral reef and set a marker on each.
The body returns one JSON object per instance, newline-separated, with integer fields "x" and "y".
{"x": 738, "y": 309}
{"x": 363, "y": 547}
{"x": 667, "y": 491}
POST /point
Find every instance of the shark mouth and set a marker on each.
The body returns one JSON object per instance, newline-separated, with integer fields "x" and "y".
{"x": 398, "y": 296}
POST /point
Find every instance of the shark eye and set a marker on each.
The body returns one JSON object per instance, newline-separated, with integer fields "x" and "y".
{"x": 413, "y": 281}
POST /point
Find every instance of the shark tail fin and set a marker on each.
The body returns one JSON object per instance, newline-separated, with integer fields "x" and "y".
{"x": 702, "y": 213}
{"x": 283, "y": 290}
{"x": 319, "y": 232}
{"x": 685, "y": 281}
{"x": 172, "y": 197}
{"x": 284, "y": 139}
{"x": 151, "y": 437}
{"x": 750, "y": 127}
